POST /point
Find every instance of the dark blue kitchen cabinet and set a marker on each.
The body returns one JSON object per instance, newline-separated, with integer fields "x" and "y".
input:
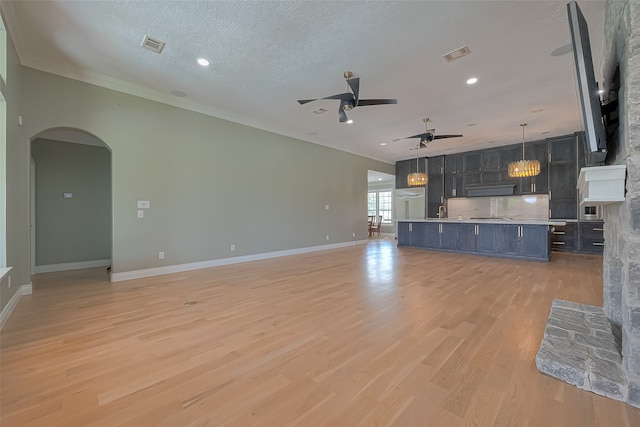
{"x": 435, "y": 187}
{"x": 563, "y": 177}
{"x": 405, "y": 167}
{"x": 486, "y": 238}
{"x": 448, "y": 235}
{"x": 535, "y": 241}
{"x": 509, "y": 239}
{"x": 412, "y": 234}
{"x": 404, "y": 234}
{"x": 433, "y": 235}
{"x": 539, "y": 184}
{"x": 467, "y": 237}
{"x": 529, "y": 241}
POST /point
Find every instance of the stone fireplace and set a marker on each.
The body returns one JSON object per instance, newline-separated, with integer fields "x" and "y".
{"x": 598, "y": 348}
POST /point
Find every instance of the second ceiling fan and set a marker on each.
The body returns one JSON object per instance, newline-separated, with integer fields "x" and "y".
{"x": 428, "y": 135}
{"x": 350, "y": 99}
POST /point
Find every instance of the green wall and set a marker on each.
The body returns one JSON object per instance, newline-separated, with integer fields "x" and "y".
{"x": 79, "y": 228}
{"x": 17, "y": 179}
{"x": 210, "y": 182}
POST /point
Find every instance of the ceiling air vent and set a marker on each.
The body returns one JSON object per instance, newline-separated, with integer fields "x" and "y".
{"x": 456, "y": 54}
{"x": 152, "y": 44}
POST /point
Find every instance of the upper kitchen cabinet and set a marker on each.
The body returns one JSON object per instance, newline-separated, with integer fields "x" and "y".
{"x": 562, "y": 149}
{"x": 435, "y": 187}
{"x": 453, "y": 175}
{"x": 563, "y": 177}
{"x": 473, "y": 162}
{"x": 405, "y": 167}
{"x": 491, "y": 160}
{"x": 539, "y": 184}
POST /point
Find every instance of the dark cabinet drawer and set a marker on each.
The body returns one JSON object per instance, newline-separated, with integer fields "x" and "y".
{"x": 592, "y": 245}
{"x": 593, "y": 229}
{"x": 565, "y": 237}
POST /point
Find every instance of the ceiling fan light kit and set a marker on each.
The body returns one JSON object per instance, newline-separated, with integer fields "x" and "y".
{"x": 524, "y": 168}
{"x": 350, "y": 99}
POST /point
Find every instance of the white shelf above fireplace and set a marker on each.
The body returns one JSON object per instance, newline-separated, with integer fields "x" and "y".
{"x": 601, "y": 185}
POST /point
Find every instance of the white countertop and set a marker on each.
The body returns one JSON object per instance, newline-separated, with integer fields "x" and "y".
{"x": 489, "y": 221}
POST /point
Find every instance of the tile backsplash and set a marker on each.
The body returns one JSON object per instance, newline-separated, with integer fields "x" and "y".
{"x": 531, "y": 206}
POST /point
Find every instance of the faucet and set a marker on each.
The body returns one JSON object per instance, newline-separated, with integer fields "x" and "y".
{"x": 442, "y": 211}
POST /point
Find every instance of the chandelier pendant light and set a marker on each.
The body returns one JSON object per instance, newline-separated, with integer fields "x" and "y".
{"x": 524, "y": 168}
{"x": 417, "y": 179}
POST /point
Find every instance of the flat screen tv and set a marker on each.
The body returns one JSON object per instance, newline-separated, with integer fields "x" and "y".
{"x": 595, "y": 133}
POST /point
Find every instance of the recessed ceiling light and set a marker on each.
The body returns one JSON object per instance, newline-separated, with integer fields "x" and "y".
{"x": 349, "y": 121}
{"x": 204, "y": 62}
{"x": 537, "y": 110}
{"x": 379, "y": 179}
{"x": 472, "y": 80}
{"x": 178, "y": 93}
{"x": 383, "y": 143}
{"x": 544, "y": 133}
{"x": 471, "y": 124}
{"x": 319, "y": 111}
{"x": 490, "y": 142}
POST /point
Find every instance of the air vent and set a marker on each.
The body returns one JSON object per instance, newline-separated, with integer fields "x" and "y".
{"x": 319, "y": 111}
{"x": 456, "y": 54}
{"x": 152, "y": 44}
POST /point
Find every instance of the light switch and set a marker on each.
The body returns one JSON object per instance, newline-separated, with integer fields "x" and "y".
{"x": 326, "y": 207}
{"x": 143, "y": 204}
{"x": 67, "y": 195}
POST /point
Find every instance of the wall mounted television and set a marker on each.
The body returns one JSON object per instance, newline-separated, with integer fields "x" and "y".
{"x": 594, "y": 129}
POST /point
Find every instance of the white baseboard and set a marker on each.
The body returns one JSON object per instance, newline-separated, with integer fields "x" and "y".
{"x": 72, "y": 266}
{"x": 157, "y": 271}
{"x": 8, "y": 309}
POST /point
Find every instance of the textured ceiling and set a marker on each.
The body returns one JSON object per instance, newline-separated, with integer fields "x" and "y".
{"x": 267, "y": 54}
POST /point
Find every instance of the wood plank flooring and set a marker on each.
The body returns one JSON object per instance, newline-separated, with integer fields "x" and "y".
{"x": 370, "y": 335}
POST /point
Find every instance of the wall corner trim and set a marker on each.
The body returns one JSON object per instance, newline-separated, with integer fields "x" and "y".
{"x": 157, "y": 271}
{"x": 13, "y": 302}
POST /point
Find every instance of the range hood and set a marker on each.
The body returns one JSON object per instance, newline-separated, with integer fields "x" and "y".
{"x": 491, "y": 190}
{"x": 601, "y": 185}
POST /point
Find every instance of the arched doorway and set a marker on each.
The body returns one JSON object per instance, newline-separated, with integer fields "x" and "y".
{"x": 71, "y": 201}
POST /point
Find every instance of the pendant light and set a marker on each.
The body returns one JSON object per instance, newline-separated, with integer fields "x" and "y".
{"x": 417, "y": 179}
{"x": 524, "y": 168}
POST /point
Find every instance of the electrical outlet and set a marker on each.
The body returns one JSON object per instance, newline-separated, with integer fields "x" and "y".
{"x": 160, "y": 255}
{"x": 9, "y": 280}
{"x": 140, "y": 214}
{"x": 232, "y": 248}
{"x": 354, "y": 234}
{"x": 327, "y": 237}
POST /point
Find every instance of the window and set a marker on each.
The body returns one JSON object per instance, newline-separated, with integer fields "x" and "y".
{"x": 380, "y": 203}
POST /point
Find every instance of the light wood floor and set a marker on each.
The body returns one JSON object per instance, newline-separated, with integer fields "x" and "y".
{"x": 370, "y": 335}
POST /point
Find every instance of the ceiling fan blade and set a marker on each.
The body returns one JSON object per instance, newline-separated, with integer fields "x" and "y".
{"x": 342, "y": 115}
{"x": 341, "y": 96}
{"x": 354, "y": 84}
{"x": 409, "y": 137}
{"x": 346, "y": 96}
{"x": 364, "y": 102}
{"x": 446, "y": 136}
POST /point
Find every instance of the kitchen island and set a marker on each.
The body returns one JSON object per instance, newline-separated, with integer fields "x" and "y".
{"x": 502, "y": 237}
